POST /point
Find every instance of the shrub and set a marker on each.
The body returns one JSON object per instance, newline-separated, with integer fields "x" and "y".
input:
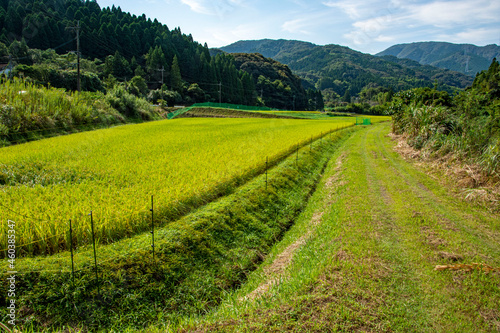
{"x": 129, "y": 105}
{"x": 468, "y": 124}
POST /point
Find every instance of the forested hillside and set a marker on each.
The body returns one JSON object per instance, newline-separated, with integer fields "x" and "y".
{"x": 277, "y": 84}
{"x": 157, "y": 63}
{"x": 339, "y": 71}
{"x": 464, "y": 58}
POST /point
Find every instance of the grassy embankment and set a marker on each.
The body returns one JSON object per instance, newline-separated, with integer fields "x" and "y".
{"x": 199, "y": 258}
{"x": 362, "y": 256}
{"x": 214, "y": 112}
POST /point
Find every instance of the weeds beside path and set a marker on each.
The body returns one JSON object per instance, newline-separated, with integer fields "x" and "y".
{"x": 369, "y": 265}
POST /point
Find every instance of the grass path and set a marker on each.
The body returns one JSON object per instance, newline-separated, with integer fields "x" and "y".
{"x": 368, "y": 264}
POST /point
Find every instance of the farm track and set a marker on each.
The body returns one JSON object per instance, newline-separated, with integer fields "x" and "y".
{"x": 422, "y": 226}
{"x": 369, "y": 265}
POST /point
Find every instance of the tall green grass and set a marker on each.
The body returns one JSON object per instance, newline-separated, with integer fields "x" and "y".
{"x": 467, "y": 125}
{"x": 26, "y": 108}
{"x": 29, "y": 111}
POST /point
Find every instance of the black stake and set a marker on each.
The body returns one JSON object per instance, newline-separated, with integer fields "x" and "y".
{"x": 95, "y": 255}
{"x": 152, "y": 228}
{"x": 71, "y": 247}
{"x": 267, "y": 161}
{"x": 311, "y": 143}
{"x": 297, "y": 158}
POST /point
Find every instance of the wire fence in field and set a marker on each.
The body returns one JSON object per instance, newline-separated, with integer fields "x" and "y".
{"x": 64, "y": 263}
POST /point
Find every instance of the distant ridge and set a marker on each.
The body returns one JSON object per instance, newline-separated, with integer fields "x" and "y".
{"x": 337, "y": 69}
{"x": 464, "y": 58}
{"x": 269, "y": 48}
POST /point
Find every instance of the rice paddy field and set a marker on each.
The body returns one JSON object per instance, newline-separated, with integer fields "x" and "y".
{"x": 113, "y": 173}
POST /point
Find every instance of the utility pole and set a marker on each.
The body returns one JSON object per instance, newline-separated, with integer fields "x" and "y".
{"x": 293, "y": 102}
{"x": 77, "y": 29}
{"x": 78, "y": 81}
{"x": 162, "y": 70}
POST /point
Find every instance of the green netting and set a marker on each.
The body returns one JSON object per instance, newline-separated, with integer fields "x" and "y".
{"x": 233, "y": 106}
{"x": 171, "y": 115}
{"x": 220, "y": 106}
{"x": 363, "y": 121}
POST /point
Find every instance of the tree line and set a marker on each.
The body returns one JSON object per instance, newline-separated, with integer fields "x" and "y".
{"x": 154, "y": 61}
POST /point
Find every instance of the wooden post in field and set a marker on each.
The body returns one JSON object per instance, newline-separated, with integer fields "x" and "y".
{"x": 71, "y": 248}
{"x": 152, "y": 228}
{"x": 95, "y": 255}
{"x": 267, "y": 161}
{"x": 297, "y": 158}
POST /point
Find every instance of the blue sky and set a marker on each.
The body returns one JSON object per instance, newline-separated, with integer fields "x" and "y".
{"x": 368, "y": 26}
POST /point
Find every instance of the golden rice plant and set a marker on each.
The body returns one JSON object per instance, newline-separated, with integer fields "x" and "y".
{"x": 114, "y": 172}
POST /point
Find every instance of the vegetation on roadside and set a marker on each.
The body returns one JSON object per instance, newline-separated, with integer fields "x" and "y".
{"x": 466, "y": 125}
{"x": 29, "y": 111}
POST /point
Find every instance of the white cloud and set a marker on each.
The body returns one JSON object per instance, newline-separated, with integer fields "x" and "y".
{"x": 348, "y": 7}
{"x": 472, "y": 35}
{"x": 301, "y": 3}
{"x": 297, "y": 26}
{"x": 215, "y": 7}
{"x": 385, "y": 39}
{"x": 452, "y": 13}
{"x": 374, "y": 26}
{"x": 362, "y": 9}
{"x": 308, "y": 23}
{"x": 198, "y": 6}
{"x": 451, "y": 20}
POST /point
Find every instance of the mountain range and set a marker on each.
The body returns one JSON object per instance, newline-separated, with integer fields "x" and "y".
{"x": 340, "y": 69}
{"x": 464, "y": 58}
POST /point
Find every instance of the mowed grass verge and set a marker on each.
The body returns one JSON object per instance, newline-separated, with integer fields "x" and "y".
{"x": 183, "y": 163}
{"x": 362, "y": 256}
{"x": 199, "y": 259}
